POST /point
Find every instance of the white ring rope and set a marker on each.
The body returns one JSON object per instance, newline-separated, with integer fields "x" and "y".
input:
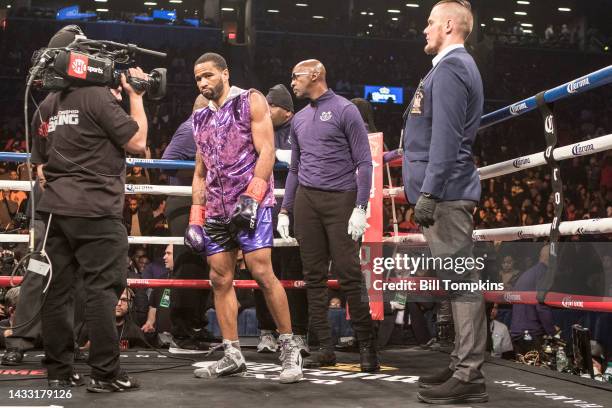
{"x": 582, "y": 227}
{"x": 181, "y": 191}
{"x": 585, "y": 148}
{"x": 592, "y": 146}
{"x": 19, "y": 238}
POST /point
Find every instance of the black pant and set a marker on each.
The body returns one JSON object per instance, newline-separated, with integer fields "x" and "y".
{"x": 25, "y": 338}
{"x": 287, "y": 265}
{"x": 97, "y": 249}
{"x": 321, "y": 223}
{"x": 188, "y": 306}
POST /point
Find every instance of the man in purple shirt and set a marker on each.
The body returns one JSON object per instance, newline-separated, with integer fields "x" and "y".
{"x": 531, "y": 322}
{"x": 233, "y": 196}
{"x": 327, "y": 190}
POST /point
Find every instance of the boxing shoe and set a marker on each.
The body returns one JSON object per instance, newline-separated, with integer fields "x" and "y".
{"x": 291, "y": 360}
{"x": 454, "y": 391}
{"x": 302, "y": 344}
{"x": 428, "y": 381}
{"x": 267, "y": 342}
{"x": 368, "y": 357}
{"x": 232, "y": 364}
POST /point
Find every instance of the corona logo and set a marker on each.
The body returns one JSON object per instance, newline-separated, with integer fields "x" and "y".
{"x": 574, "y": 86}
{"x": 518, "y": 108}
{"x": 578, "y": 149}
{"x": 512, "y": 297}
{"x": 567, "y": 302}
{"x": 520, "y": 161}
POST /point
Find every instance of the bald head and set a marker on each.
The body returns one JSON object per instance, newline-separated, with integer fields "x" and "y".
{"x": 312, "y": 65}
{"x": 460, "y": 13}
{"x": 309, "y": 79}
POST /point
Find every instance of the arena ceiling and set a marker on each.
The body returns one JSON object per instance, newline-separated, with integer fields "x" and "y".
{"x": 501, "y": 13}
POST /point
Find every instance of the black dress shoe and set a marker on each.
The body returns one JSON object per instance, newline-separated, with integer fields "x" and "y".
{"x": 12, "y": 357}
{"x": 428, "y": 381}
{"x": 75, "y": 380}
{"x": 368, "y": 357}
{"x": 321, "y": 358}
{"x": 454, "y": 391}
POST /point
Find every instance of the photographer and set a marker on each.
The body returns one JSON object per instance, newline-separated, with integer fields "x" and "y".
{"x": 80, "y": 136}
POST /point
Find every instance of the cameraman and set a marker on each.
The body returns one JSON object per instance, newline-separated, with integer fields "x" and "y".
{"x": 79, "y": 143}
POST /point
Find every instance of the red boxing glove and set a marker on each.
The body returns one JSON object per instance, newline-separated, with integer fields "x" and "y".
{"x": 197, "y": 215}
{"x": 257, "y": 189}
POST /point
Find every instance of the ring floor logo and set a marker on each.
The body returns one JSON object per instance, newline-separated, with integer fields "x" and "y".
{"x": 340, "y": 373}
{"x": 567, "y": 401}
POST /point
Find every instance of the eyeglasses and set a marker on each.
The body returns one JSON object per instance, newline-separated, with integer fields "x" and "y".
{"x": 295, "y": 75}
{"x": 124, "y": 300}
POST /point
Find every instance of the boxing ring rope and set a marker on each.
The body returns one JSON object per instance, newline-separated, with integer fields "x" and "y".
{"x": 393, "y": 158}
{"x": 585, "y": 83}
{"x": 584, "y": 148}
{"x": 554, "y": 299}
{"x": 581, "y": 227}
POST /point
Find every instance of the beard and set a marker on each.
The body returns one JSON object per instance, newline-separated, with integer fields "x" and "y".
{"x": 430, "y": 50}
{"x": 215, "y": 93}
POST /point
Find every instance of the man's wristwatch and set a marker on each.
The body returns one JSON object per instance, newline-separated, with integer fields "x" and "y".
{"x": 363, "y": 207}
{"x": 429, "y": 195}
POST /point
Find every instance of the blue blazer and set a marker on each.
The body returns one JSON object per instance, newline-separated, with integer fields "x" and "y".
{"x": 443, "y": 118}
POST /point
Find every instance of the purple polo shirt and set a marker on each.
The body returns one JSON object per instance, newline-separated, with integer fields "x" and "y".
{"x": 329, "y": 144}
{"x": 181, "y": 147}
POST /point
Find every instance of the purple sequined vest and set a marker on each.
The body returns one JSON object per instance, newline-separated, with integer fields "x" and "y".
{"x": 225, "y": 142}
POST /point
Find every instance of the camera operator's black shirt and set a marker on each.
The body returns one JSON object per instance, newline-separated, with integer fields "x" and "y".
{"x": 78, "y": 136}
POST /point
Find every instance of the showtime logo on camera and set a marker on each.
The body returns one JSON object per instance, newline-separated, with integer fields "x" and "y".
{"x": 78, "y": 65}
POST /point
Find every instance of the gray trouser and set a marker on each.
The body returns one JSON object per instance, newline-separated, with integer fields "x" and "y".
{"x": 451, "y": 235}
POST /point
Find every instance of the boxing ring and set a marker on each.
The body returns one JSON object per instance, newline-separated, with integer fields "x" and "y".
{"x": 516, "y": 386}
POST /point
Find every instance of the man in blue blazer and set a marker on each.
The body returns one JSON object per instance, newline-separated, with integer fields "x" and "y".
{"x": 441, "y": 178}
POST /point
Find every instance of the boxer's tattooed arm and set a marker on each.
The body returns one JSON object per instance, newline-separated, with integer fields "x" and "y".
{"x": 263, "y": 135}
{"x": 198, "y": 185}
